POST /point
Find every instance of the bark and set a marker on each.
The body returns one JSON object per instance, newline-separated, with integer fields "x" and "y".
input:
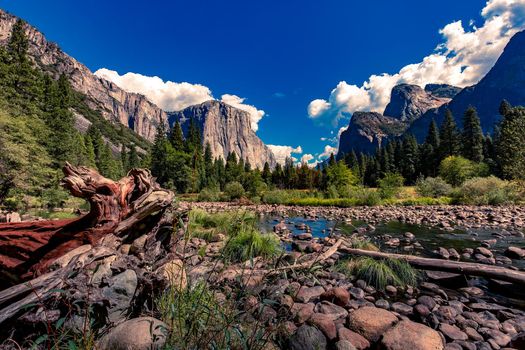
{"x": 467, "y": 268}
{"x": 124, "y": 208}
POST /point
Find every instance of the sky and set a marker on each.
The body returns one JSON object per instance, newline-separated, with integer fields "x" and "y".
{"x": 299, "y": 67}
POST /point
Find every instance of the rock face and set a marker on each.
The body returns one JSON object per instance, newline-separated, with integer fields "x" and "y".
{"x": 367, "y": 131}
{"x": 116, "y": 105}
{"x": 504, "y": 81}
{"x": 227, "y": 129}
{"x": 442, "y": 90}
{"x": 409, "y": 102}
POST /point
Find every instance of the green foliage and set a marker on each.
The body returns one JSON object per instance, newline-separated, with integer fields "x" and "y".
{"x": 449, "y": 136}
{"x": 486, "y": 190}
{"x": 341, "y": 178}
{"x": 250, "y": 243}
{"x": 472, "y": 136}
{"x": 456, "y": 169}
{"x": 380, "y": 272}
{"x": 433, "y": 187}
{"x": 510, "y": 141}
{"x": 209, "y": 194}
{"x": 233, "y": 190}
{"x": 390, "y": 185}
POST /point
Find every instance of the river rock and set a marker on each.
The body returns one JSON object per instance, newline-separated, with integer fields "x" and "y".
{"x": 344, "y": 345}
{"x": 325, "y": 323}
{"x": 174, "y": 273}
{"x": 452, "y": 332}
{"x": 307, "y": 338}
{"x": 143, "y": 333}
{"x": 307, "y": 294}
{"x": 337, "y": 295}
{"x": 119, "y": 293}
{"x": 515, "y": 253}
{"x": 333, "y": 311}
{"x": 357, "y": 340}
{"x": 371, "y": 322}
{"x": 408, "y": 335}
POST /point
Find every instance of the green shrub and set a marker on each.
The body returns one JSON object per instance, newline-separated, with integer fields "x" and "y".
{"x": 365, "y": 196}
{"x": 205, "y": 225}
{"x": 250, "y": 243}
{"x": 233, "y": 190}
{"x": 381, "y": 272}
{"x": 455, "y": 170}
{"x": 486, "y": 190}
{"x": 209, "y": 195}
{"x": 433, "y": 187}
{"x": 390, "y": 185}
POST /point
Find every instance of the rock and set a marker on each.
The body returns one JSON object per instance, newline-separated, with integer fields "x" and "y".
{"x": 422, "y": 310}
{"x": 143, "y": 333}
{"x": 427, "y": 301}
{"x": 383, "y": 304}
{"x": 515, "y": 253}
{"x": 307, "y": 294}
{"x": 302, "y": 312}
{"x": 357, "y": 340}
{"x": 138, "y": 244}
{"x": 452, "y": 332}
{"x": 443, "y": 253}
{"x": 472, "y": 291}
{"x": 337, "y": 295}
{"x": 371, "y": 322}
{"x": 483, "y": 251}
{"x": 518, "y": 341}
{"x": 119, "y": 293}
{"x": 325, "y": 323}
{"x": 344, "y": 345}
{"x": 357, "y": 293}
{"x": 402, "y": 308}
{"x": 333, "y": 311}
{"x": 307, "y": 338}
{"x": 174, "y": 273}
{"x": 408, "y": 335}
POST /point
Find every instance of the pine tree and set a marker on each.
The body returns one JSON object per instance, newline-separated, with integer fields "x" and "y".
{"x": 409, "y": 163}
{"x": 159, "y": 155}
{"x": 267, "y": 173}
{"x": 210, "y": 178}
{"x": 449, "y": 137}
{"x": 509, "y": 142}
{"x": 472, "y": 136}
{"x": 429, "y": 155}
{"x": 133, "y": 160}
{"x": 176, "y": 137}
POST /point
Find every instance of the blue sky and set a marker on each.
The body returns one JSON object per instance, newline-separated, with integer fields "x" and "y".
{"x": 278, "y": 55}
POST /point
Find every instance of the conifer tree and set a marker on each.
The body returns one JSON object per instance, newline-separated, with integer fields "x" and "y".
{"x": 509, "y": 142}
{"x": 176, "y": 137}
{"x": 472, "y": 136}
{"x": 449, "y": 137}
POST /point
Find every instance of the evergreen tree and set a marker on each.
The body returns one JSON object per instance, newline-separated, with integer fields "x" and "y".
{"x": 267, "y": 173}
{"x": 159, "y": 155}
{"x": 510, "y": 152}
{"x": 133, "y": 160}
{"x": 210, "y": 178}
{"x": 409, "y": 163}
{"x": 429, "y": 155}
{"x": 472, "y": 136}
{"x": 176, "y": 137}
{"x": 449, "y": 137}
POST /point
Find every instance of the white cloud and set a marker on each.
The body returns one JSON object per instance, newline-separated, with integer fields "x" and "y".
{"x": 328, "y": 150}
{"x": 236, "y": 101}
{"x": 306, "y": 158}
{"x": 168, "y": 95}
{"x": 463, "y": 58}
{"x": 172, "y": 96}
{"x": 283, "y": 152}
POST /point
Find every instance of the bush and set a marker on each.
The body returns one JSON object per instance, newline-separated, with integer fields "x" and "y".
{"x": 233, "y": 190}
{"x": 433, "y": 187}
{"x": 209, "y": 194}
{"x": 390, "y": 185}
{"x": 365, "y": 196}
{"x": 455, "y": 170}
{"x": 381, "y": 272}
{"x": 486, "y": 190}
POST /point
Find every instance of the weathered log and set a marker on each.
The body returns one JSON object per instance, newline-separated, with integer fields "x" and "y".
{"x": 132, "y": 204}
{"x": 467, "y": 268}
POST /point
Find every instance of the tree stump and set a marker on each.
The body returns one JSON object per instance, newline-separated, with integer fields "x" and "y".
{"x": 132, "y": 204}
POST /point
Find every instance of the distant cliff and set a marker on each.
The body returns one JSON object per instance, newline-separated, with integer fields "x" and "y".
{"x": 227, "y": 129}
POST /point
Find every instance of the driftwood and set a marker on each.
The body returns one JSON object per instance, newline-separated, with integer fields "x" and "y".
{"x": 119, "y": 207}
{"x": 467, "y": 268}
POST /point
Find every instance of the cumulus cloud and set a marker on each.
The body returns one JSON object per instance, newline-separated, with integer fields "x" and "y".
{"x": 462, "y": 59}
{"x": 283, "y": 152}
{"x": 236, "y": 101}
{"x": 306, "y": 158}
{"x": 172, "y": 96}
{"x": 328, "y": 150}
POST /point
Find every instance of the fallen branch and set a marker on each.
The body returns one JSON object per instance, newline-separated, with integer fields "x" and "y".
{"x": 467, "y": 268}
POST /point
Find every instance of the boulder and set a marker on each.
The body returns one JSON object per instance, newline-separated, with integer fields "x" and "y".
{"x": 337, "y": 295}
{"x": 371, "y": 322}
{"x": 119, "y": 293}
{"x": 325, "y": 324}
{"x": 307, "y": 338}
{"x": 411, "y": 335}
{"x": 357, "y": 340}
{"x": 333, "y": 311}
{"x": 143, "y": 333}
{"x": 515, "y": 253}
{"x": 306, "y": 294}
{"x": 174, "y": 274}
